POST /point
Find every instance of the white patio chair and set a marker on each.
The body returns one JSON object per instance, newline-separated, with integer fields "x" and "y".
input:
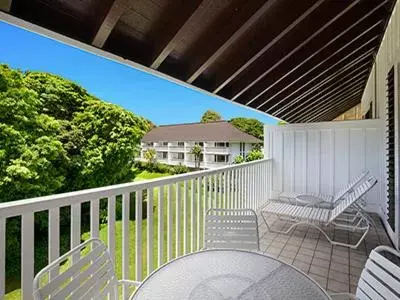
{"x": 231, "y": 228}
{"x": 321, "y": 200}
{"x": 90, "y": 276}
{"x": 321, "y": 218}
{"x": 379, "y": 280}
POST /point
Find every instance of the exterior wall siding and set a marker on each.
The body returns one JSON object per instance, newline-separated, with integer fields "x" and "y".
{"x": 323, "y": 157}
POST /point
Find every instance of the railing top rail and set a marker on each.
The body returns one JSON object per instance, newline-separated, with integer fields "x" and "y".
{"x": 16, "y": 208}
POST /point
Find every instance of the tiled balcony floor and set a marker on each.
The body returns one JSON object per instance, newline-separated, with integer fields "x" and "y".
{"x": 335, "y": 268}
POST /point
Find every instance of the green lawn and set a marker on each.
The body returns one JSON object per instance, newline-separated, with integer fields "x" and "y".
{"x": 132, "y": 224}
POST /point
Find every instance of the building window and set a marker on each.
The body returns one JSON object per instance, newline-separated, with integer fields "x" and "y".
{"x": 165, "y": 155}
{"x": 181, "y": 155}
{"x": 199, "y": 143}
{"x": 165, "y": 144}
{"x": 242, "y": 149}
{"x": 181, "y": 144}
{"x": 221, "y": 145}
{"x": 149, "y": 144}
{"x": 221, "y": 158}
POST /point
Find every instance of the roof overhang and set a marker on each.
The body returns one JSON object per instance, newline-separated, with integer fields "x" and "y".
{"x": 299, "y": 61}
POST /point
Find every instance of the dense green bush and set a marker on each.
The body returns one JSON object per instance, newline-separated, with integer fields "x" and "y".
{"x": 179, "y": 169}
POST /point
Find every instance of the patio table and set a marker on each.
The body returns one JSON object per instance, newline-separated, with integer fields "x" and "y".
{"x": 228, "y": 274}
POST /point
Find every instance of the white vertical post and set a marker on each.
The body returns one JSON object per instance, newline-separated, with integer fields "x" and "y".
{"x": 160, "y": 225}
{"x": 2, "y": 257}
{"x": 192, "y": 216}
{"x": 178, "y": 219}
{"x": 228, "y": 190}
{"x": 150, "y": 231}
{"x": 215, "y": 205}
{"x": 27, "y": 255}
{"x": 220, "y": 191}
{"x": 169, "y": 223}
{"x": 210, "y": 185}
{"x": 138, "y": 233}
{"x": 75, "y": 228}
{"x": 111, "y": 227}
{"x": 239, "y": 187}
{"x": 225, "y": 191}
{"x": 125, "y": 239}
{"x": 198, "y": 211}
{"x": 94, "y": 218}
{"x": 185, "y": 217}
{"x": 54, "y": 238}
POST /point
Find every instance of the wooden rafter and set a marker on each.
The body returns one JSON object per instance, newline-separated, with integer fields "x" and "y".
{"x": 5, "y": 5}
{"x": 115, "y": 12}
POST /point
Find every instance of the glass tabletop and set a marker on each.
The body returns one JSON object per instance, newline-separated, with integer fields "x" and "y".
{"x": 223, "y": 274}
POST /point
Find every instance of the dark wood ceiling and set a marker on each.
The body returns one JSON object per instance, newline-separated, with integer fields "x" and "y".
{"x": 301, "y": 61}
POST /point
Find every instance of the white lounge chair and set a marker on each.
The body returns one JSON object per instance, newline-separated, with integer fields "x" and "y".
{"x": 322, "y": 200}
{"x": 90, "y": 276}
{"x": 380, "y": 279}
{"x": 231, "y": 228}
{"x": 321, "y": 218}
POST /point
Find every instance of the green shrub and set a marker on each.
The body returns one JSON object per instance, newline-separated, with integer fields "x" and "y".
{"x": 179, "y": 169}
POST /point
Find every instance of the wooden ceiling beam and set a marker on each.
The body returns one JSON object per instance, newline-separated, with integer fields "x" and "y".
{"x": 292, "y": 52}
{"x": 115, "y": 12}
{"x": 5, "y": 5}
{"x": 369, "y": 49}
{"x": 328, "y": 89}
{"x": 346, "y": 102}
{"x": 331, "y": 77}
{"x": 270, "y": 44}
{"x": 232, "y": 39}
{"x": 331, "y": 42}
{"x": 321, "y": 103}
{"x": 321, "y": 108}
{"x": 194, "y": 10}
{"x": 350, "y": 103}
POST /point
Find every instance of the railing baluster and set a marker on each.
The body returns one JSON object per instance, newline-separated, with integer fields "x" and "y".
{"x": 2, "y": 257}
{"x": 111, "y": 227}
{"x": 192, "y": 216}
{"x": 198, "y": 211}
{"x": 54, "y": 238}
{"x": 185, "y": 217}
{"x": 94, "y": 218}
{"x": 239, "y": 187}
{"x": 215, "y": 178}
{"x": 160, "y": 225}
{"x": 220, "y": 191}
{"x": 228, "y": 189}
{"x": 234, "y": 188}
{"x": 75, "y": 228}
{"x": 125, "y": 240}
{"x": 224, "y": 190}
{"x": 178, "y": 218}
{"x": 210, "y": 184}
{"x": 27, "y": 255}
{"x": 169, "y": 223}
{"x": 150, "y": 231}
{"x": 138, "y": 233}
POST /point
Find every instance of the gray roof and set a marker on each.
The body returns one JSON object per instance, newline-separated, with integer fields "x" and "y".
{"x": 219, "y": 131}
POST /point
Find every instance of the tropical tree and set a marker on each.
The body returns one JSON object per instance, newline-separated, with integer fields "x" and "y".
{"x": 250, "y": 126}
{"x": 151, "y": 156}
{"x": 210, "y": 116}
{"x": 196, "y": 151}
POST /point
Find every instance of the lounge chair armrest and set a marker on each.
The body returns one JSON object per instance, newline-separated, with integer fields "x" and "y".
{"x": 343, "y": 296}
{"x": 129, "y": 282}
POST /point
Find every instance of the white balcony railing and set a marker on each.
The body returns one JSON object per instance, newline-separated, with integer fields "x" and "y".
{"x": 217, "y": 149}
{"x": 173, "y": 229}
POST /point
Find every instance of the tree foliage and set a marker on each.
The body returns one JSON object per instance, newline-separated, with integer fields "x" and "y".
{"x": 250, "y": 126}
{"x": 150, "y": 155}
{"x": 210, "y": 116}
{"x": 254, "y": 154}
{"x": 55, "y": 137}
{"x": 238, "y": 159}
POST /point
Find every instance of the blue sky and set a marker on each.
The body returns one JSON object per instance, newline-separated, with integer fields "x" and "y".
{"x": 157, "y": 99}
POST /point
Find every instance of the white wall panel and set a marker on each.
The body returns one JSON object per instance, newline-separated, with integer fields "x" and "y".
{"x": 322, "y": 157}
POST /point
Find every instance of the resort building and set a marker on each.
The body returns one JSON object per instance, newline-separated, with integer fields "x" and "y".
{"x": 220, "y": 142}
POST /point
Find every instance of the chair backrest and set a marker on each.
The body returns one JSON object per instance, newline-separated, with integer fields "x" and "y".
{"x": 352, "y": 197}
{"x": 84, "y": 272}
{"x": 231, "y": 228}
{"x": 380, "y": 278}
{"x": 349, "y": 186}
